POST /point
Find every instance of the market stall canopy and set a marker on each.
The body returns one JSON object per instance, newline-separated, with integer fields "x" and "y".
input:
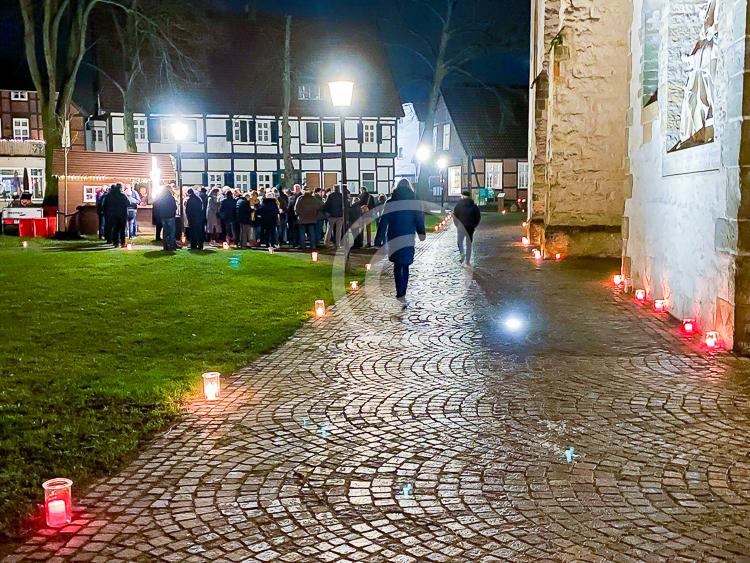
{"x": 113, "y": 165}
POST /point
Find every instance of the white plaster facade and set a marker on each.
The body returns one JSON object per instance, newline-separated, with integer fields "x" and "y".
{"x": 409, "y": 133}
{"x": 680, "y": 233}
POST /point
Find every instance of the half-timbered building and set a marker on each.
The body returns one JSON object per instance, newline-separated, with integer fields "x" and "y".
{"x": 233, "y": 114}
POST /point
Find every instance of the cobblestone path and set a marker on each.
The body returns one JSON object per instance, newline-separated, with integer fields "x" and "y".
{"x": 474, "y": 416}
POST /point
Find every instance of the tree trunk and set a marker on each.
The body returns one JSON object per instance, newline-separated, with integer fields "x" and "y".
{"x": 286, "y": 130}
{"x": 52, "y": 141}
{"x": 128, "y": 124}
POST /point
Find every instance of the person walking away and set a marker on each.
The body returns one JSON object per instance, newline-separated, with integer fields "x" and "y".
{"x": 116, "y": 214}
{"x": 467, "y": 217}
{"x": 166, "y": 204}
{"x": 307, "y": 210}
{"x": 134, "y": 200}
{"x": 101, "y": 196}
{"x": 203, "y": 194}
{"x": 334, "y": 211}
{"x": 245, "y": 220}
{"x": 268, "y": 219}
{"x": 399, "y": 227}
{"x": 195, "y": 217}
{"x": 227, "y": 214}
{"x": 355, "y": 212}
{"x": 213, "y": 222}
{"x": 367, "y": 202}
{"x": 292, "y": 225}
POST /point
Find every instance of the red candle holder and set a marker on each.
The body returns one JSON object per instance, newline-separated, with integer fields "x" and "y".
{"x": 558, "y": 257}
{"x": 688, "y": 326}
{"x": 712, "y": 339}
{"x": 617, "y": 280}
{"x": 320, "y": 308}
{"x": 660, "y": 305}
{"x": 640, "y": 295}
{"x": 525, "y": 241}
{"x": 225, "y": 245}
{"x": 58, "y": 502}
{"x": 537, "y": 254}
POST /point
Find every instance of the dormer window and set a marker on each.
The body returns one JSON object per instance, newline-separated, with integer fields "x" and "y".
{"x": 19, "y": 96}
{"x": 308, "y": 92}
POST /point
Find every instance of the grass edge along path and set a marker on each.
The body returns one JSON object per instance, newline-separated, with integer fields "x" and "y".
{"x": 102, "y": 347}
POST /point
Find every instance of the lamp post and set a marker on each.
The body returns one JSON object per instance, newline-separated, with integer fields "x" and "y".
{"x": 442, "y": 164}
{"x": 341, "y": 97}
{"x": 179, "y": 131}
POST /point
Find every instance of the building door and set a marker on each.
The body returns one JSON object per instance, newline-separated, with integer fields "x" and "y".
{"x": 312, "y": 180}
{"x": 330, "y": 179}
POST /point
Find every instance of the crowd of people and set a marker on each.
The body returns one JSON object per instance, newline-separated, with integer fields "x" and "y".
{"x": 296, "y": 217}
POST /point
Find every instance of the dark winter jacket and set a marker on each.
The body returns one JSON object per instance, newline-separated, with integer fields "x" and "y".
{"x": 334, "y": 206}
{"x": 166, "y": 205}
{"x": 244, "y": 212}
{"x": 227, "y": 209}
{"x": 291, "y": 212}
{"x": 268, "y": 212}
{"x": 194, "y": 210}
{"x": 116, "y": 205}
{"x": 467, "y": 214}
{"x": 401, "y": 224}
{"x": 307, "y": 209}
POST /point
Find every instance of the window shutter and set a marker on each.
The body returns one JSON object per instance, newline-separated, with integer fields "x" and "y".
{"x": 276, "y": 179}
{"x": 379, "y": 133}
{"x": 230, "y": 131}
{"x": 243, "y": 131}
{"x": 205, "y": 178}
{"x": 360, "y": 131}
{"x": 251, "y": 131}
{"x": 229, "y": 179}
{"x": 192, "y": 135}
{"x": 154, "y": 129}
{"x": 274, "y": 132}
{"x": 253, "y": 180}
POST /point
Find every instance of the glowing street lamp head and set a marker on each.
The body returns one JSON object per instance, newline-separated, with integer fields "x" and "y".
{"x": 341, "y": 92}
{"x": 423, "y": 153}
{"x": 179, "y": 130}
{"x": 442, "y": 163}
{"x": 513, "y": 323}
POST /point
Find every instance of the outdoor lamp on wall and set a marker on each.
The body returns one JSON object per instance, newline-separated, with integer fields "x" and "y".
{"x": 341, "y": 92}
{"x": 179, "y": 130}
{"x": 211, "y": 385}
{"x": 58, "y": 502}
{"x": 320, "y": 308}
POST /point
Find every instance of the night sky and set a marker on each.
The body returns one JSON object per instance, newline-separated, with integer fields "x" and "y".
{"x": 508, "y": 66}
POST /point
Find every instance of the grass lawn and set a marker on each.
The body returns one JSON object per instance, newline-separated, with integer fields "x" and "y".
{"x": 99, "y": 348}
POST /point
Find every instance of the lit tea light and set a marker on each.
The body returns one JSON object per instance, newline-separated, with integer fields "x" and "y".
{"x": 688, "y": 326}
{"x": 712, "y": 339}
{"x": 354, "y": 285}
{"x": 558, "y": 257}
{"x": 129, "y": 246}
{"x": 537, "y": 254}
{"x": 525, "y": 241}
{"x": 211, "y": 385}
{"x": 524, "y": 224}
{"x": 314, "y": 256}
{"x": 640, "y": 294}
{"x": 368, "y": 266}
{"x": 225, "y": 245}
{"x": 183, "y": 239}
{"x": 436, "y": 228}
{"x": 660, "y": 305}
{"x": 270, "y": 250}
{"x": 58, "y": 502}
{"x": 25, "y": 244}
{"x": 504, "y": 212}
{"x": 617, "y": 280}
{"x": 320, "y": 308}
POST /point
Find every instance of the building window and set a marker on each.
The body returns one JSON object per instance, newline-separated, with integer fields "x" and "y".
{"x": 401, "y": 152}
{"x": 242, "y": 129}
{"x": 19, "y": 96}
{"x": 523, "y": 175}
{"x": 36, "y": 179}
{"x": 446, "y": 136}
{"x": 89, "y": 194}
{"x": 99, "y": 135}
{"x": 242, "y": 181}
{"x": 312, "y": 130}
{"x": 21, "y": 128}
{"x": 215, "y": 180}
{"x": 263, "y": 132}
{"x": 329, "y": 133}
{"x": 493, "y": 175}
{"x": 308, "y": 92}
{"x": 368, "y": 133}
{"x": 651, "y": 15}
{"x": 139, "y": 128}
{"x": 368, "y": 181}
{"x": 454, "y": 181}
{"x": 166, "y": 131}
{"x": 434, "y": 138}
{"x": 265, "y": 180}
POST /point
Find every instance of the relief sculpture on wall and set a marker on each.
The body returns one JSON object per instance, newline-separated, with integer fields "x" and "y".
{"x": 697, "y": 115}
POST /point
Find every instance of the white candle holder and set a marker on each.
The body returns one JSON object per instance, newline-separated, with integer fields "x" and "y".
{"x": 58, "y": 502}
{"x": 211, "y": 385}
{"x": 320, "y": 308}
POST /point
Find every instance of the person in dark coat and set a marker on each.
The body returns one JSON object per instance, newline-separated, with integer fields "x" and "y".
{"x": 196, "y": 220}
{"x": 355, "y": 212}
{"x": 228, "y": 215}
{"x": 101, "y": 197}
{"x": 401, "y": 220}
{"x": 156, "y": 217}
{"x": 467, "y": 217}
{"x": 268, "y": 218}
{"x": 291, "y": 216}
{"x": 333, "y": 209}
{"x": 245, "y": 220}
{"x": 367, "y": 202}
{"x": 116, "y": 214}
{"x": 283, "y": 202}
{"x": 379, "y": 210}
{"x": 166, "y": 205}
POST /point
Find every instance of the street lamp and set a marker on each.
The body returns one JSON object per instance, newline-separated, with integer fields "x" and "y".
{"x": 179, "y": 131}
{"x": 423, "y": 153}
{"x": 341, "y": 97}
{"x": 442, "y": 164}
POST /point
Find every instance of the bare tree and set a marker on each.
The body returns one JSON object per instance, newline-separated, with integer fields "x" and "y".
{"x": 151, "y": 42}
{"x": 286, "y": 130}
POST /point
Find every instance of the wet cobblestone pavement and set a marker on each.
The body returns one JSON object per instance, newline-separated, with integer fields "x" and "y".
{"x": 475, "y": 417}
